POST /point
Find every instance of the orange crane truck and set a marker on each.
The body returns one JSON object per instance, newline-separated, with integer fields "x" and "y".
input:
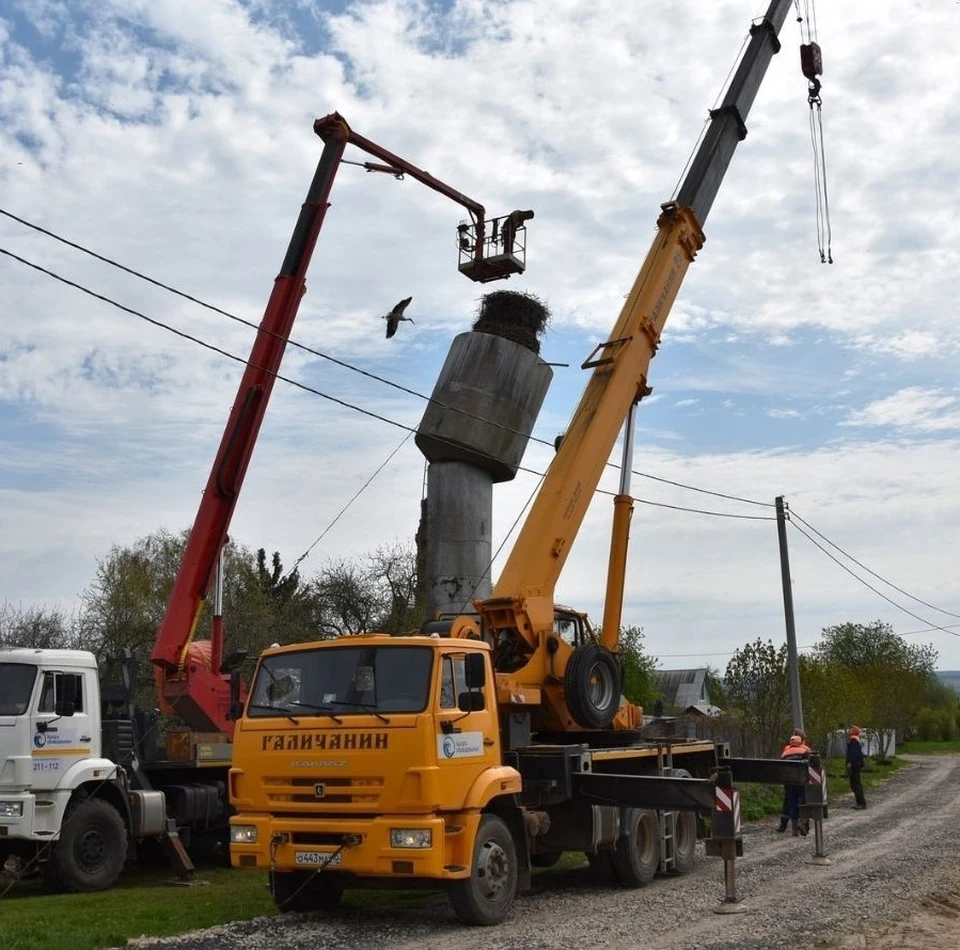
{"x": 491, "y": 743}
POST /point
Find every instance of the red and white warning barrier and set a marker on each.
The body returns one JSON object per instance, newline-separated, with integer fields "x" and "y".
{"x": 728, "y": 802}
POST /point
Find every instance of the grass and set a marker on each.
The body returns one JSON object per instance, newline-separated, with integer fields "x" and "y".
{"x": 141, "y": 904}
{"x": 919, "y": 747}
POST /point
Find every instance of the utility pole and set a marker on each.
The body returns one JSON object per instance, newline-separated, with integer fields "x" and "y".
{"x": 793, "y": 666}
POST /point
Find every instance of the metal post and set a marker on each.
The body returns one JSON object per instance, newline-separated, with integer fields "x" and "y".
{"x": 619, "y": 538}
{"x": 726, "y": 841}
{"x": 216, "y": 634}
{"x": 815, "y": 805}
{"x": 819, "y": 855}
{"x": 730, "y": 882}
{"x": 793, "y": 667}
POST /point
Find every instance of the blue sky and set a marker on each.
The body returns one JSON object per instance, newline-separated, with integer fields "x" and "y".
{"x": 177, "y": 139}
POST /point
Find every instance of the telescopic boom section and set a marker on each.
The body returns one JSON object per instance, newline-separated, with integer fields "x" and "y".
{"x": 523, "y": 598}
{"x": 193, "y": 686}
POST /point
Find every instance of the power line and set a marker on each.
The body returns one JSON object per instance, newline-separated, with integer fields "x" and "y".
{"x": 900, "y": 590}
{"x": 812, "y": 646}
{"x": 199, "y": 342}
{"x": 870, "y": 586}
{"x": 342, "y": 363}
{"x": 316, "y": 392}
{"x": 343, "y": 510}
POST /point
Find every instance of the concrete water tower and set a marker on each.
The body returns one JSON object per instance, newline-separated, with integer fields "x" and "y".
{"x": 473, "y": 434}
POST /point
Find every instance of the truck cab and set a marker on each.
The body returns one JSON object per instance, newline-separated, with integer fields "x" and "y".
{"x": 367, "y": 757}
{"x": 67, "y": 805}
{"x": 49, "y": 733}
{"x": 50, "y": 743}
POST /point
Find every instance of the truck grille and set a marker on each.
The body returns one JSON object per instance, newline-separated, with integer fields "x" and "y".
{"x": 334, "y": 790}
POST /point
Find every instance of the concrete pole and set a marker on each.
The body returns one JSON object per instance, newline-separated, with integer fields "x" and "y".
{"x": 458, "y": 550}
{"x": 793, "y": 666}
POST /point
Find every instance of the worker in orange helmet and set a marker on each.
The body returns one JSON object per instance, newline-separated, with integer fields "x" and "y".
{"x": 855, "y": 760}
{"x": 796, "y": 748}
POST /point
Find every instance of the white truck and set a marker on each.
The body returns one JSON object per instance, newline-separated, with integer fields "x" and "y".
{"x": 74, "y": 797}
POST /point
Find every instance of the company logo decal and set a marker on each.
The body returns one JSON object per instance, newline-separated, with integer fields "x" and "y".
{"x": 54, "y": 738}
{"x": 460, "y": 745}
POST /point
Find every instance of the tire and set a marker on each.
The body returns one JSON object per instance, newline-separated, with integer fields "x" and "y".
{"x": 592, "y": 685}
{"x": 684, "y": 835}
{"x": 601, "y": 864}
{"x": 637, "y": 856}
{"x": 545, "y": 859}
{"x": 303, "y": 891}
{"x": 91, "y": 850}
{"x": 485, "y": 898}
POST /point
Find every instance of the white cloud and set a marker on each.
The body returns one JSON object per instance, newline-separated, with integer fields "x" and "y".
{"x": 914, "y": 409}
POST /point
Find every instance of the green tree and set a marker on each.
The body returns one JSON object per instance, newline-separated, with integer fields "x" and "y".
{"x": 40, "y": 628}
{"x": 757, "y": 691}
{"x": 856, "y": 646}
{"x": 638, "y": 668}
{"x": 833, "y": 697}
{"x": 373, "y": 593}
{"x": 894, "y": 676}
{"x": 125, "y": 602}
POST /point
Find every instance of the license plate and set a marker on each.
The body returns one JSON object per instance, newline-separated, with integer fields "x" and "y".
{"x": 318, "y": 859}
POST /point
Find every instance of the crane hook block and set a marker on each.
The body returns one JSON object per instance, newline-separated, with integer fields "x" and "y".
{"x": 811, "y": 60}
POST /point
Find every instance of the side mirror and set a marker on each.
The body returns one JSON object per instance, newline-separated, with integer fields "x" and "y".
{"x": 471, "y": 702}
{"x": 233, "y": 660}
{"x": 65, "y": 707}
{"x": 236, "y": 710}
{"x": 475, "y": 672}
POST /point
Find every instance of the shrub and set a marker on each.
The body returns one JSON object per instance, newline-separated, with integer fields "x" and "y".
{"x": 928, "y": 725}
{"x": 946, "y": 724}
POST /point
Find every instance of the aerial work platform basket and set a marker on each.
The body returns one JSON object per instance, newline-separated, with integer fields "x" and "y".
{"x": 496, "y": 253}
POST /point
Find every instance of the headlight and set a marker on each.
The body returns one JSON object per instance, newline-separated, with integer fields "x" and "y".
{"x": 411, "y": 838}
{"x": 11, "y": 809}
{"x": 243, "y": 834}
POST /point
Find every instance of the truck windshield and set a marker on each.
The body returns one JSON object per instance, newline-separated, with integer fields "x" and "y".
{"x": 16, "y": 685}
{"x": 344, "y": 680}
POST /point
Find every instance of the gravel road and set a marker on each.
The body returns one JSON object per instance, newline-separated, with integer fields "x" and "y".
{"x": 899, "y": 854}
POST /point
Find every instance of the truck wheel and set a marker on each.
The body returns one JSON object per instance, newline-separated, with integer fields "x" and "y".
{"x": 637, "y": 855}
{"x": 592, "y": 684}
{"x": 684, "y": 835}
{"x": 486, "y": 896}
{"x": 302, "y": 891}
{"x": 91, "y": 850}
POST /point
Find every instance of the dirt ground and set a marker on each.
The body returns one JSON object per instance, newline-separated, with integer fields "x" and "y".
{"x": 935, "y": 925}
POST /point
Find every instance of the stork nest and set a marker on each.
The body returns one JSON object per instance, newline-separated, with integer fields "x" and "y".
{"x": 513, "y": 315}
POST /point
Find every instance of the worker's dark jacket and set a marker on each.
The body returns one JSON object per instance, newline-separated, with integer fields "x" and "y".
{"x": 793, "y": 794}
{"x": 854, "y": 754}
